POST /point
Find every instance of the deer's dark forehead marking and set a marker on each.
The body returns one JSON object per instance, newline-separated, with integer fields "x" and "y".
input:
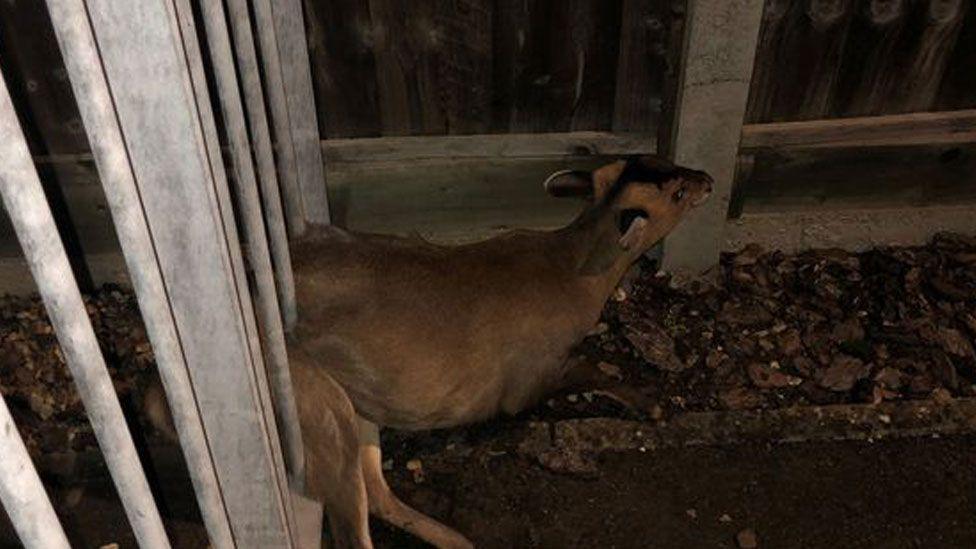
{"x": 647, "y": 170}
{"x": 642, "y": 169}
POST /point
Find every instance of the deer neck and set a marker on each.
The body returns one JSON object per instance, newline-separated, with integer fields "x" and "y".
{"x": 595, "y": 256}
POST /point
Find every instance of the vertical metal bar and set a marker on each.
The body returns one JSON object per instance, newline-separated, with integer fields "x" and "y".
{"x": 22, "y": 493}
{"x": 28, "y": 210}
{"x": 156, "y": 79}
{"x": 183, "y": 19}
{"x": 297, "y": 73}
{"x": 254, "y": 231}
{"x": 87, "y": 77}
{"x": 264, "y": 155}
{"x": 280, "y": 117}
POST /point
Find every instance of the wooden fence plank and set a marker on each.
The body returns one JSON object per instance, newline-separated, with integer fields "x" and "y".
{"x": 924, "y": 67}
{"x": 871, "y": 131}
{"x": 527, "y": 145}
{"x": 551, "y": 65}
{"x": 642, "y": 66}
{"x": 340, "y": 40}
{"x": 798, "y": 59}
{"x": 38, "y": 81}
{"x": 464, "y": 50}
{"x": 406, "y": 68}
{"x": 958, "y": 89}
{"x": 879, "y": 33}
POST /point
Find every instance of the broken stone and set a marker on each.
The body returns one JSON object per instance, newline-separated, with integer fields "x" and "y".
{"x": 941, "y": 396}
{"x": 655, "y": 345}
{"x": 943, "y": 370}
{"x": 879, "y": 394}
{"x": 747, "y": 539}
{"x": 955, "y": 343}
{"x": 789, "y": 342}
{"x": 714, "y": 358}
{"x": 416, "y": 467}
{"x": 748, "y": 255}
{"x": 611, "y": 370}
{"x": 922, "y": 384}
{"x": 889, "y": 378}
{"x": 740, "y": 398}
{"x": 766, "y": 377}
{"x": 848, "y": 330}
{"x": 948, "y": 290}
{"x": 970, "y": 322}
{"x": 842, "y": 373}
{"x": 804, "y": 365}
{"x": 744, "y": 314}
{"x": 725, "y": 518}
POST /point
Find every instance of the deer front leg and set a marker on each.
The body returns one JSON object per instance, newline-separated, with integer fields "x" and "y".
{"x": 384, "y": 503}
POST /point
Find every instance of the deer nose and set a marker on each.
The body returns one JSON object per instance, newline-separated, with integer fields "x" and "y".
{"x": 708, "y": 182}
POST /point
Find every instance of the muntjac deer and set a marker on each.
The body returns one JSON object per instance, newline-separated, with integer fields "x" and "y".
{"x": 402, "y": 333}
{"x": 420, "y": 336}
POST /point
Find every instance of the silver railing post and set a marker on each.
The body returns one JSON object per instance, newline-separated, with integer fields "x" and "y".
{"x": 22, "y": 493}
{"x": 263, "y": 152}
{"x": 257, "y": 245}
{"x": 87, "y": 77}
{"x": 38, "y": 235}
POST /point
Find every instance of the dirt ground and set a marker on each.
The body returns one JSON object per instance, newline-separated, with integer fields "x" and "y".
{"x": 770, "y": 331}
{"x": 900, "y": 493}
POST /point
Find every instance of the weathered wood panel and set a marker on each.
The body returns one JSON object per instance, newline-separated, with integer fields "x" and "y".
{"x": 554, "y": 65}
{"x": 889, "y": 176}
{"x": 841, "y": 58}
{"x": 896, "y": 56}
{"x": 644, "y": 64}
{"x": 436, "y": 67}
{"x": 38, "y": 81}
{"x": 958, "y": 90}
{"x": 456, "y": 147}
{"x": 798, "y": 59}
{"x": 920, "y": 128}
{"x": 451, "y": 200}
{"x": 340, "y": 41}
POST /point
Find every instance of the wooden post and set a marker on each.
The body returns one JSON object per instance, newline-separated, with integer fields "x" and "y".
{"x": 164, "y": 112}
{"x": 720, "y": 45}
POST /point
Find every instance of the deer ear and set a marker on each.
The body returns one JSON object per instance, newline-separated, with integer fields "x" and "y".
{"x": 569, "y": 183}
{"x": 605, "y": 177}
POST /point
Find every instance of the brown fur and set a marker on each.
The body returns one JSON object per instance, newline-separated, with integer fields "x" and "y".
{"x": 421, "y": 336}
{"x": 406, "y": 334}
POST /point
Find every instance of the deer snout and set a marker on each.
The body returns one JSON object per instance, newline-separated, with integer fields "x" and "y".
{"x": 705, "y": 185}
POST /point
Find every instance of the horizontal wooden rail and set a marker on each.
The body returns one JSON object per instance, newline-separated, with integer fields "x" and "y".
{"x": 923, "y": 128}
{"x": 520, "y": 145}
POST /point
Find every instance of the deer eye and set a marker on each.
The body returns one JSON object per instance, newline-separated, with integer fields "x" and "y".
{"x": 679, "y": 194}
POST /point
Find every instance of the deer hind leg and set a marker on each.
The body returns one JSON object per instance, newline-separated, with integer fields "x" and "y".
{"x": 384, "y": 503}
{"x": 332, "y": 452}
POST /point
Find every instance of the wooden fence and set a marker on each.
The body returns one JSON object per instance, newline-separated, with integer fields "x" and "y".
{"x": 567, "y": 81}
